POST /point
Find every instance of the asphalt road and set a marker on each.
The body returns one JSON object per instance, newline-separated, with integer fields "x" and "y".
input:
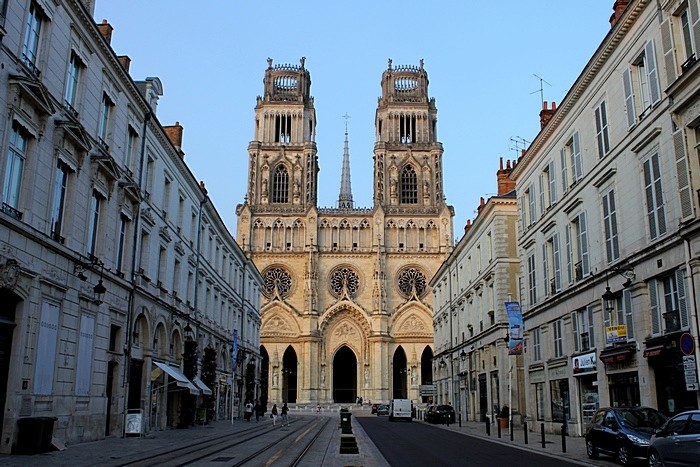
{"x": 408, "y": 444}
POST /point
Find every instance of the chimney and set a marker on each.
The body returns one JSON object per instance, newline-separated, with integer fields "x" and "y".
{"x": 618, "y": 9}
{"x": 125, "y": 61}
{"x": 203, "y": 187}
{"x": 174, "y": 134}
{"x": 505, "y": 184}
{"x": 467, "y": 226}
{"x": 106, "y": 31}
{"x": 546, "y": 114}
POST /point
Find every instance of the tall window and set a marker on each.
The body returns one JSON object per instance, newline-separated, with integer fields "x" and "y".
{"x": 283, "y": 129}
{"x": 93, "y": 223}
{"x": 536, "y": 345}
{"x": 548, "y": 187}
{"x": 601, "y": 128}
{"x": 552, "y": 264}
{"x": 407, "y": 127}
{"x": 30, "y": 44}
{"x": 584, "y": 337}
{"x": 409, "y": 185}
{"x": 621, "y": 314}
{"x": 14, "y": 170}
{"x": 612, "y": 245}
{"x": 45, "y": 352}
{"x": 577, "y": 248}
{"x": 571, "y": 163}
{"x": 558, "y": 328}
{"x": 60, "y": 185}
{"x": 532, "y": 279}
{"x": 654, "y": 197}
{"x": 640, "y": 83}
{"x": 280, "y": 185}
{"x": 686, "y": 30}
{"x": 131, "y": 139}
{"x": 162, "y": 266}
{"x": 83, "y": 369}
{"x": 531, "y": 204}
{"x": 105, "y": 115}
{"x": 121, "y": 242}
{"x": 668, "y": 303}
{"x": 72, "y": 79}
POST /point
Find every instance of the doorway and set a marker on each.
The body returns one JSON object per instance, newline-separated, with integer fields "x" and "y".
{"x": 483, "y": 398}
{"x": 400, "y": 375}
{"x": 289, "y": 376}
{"x": 8, "y": 304}
{"x": 344, "y": 376}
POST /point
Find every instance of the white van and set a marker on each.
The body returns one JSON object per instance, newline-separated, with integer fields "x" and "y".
{"x": 400, "y": 409}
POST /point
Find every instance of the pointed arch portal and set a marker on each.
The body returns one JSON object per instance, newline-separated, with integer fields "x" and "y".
{"x": 400, "y": 374}
{"x": 426, "y": 370}
{"x": 289, "y": 376}
{"x": 344, "y": 376}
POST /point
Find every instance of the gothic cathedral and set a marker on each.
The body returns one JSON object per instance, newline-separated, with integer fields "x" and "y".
{"x": 347, "y": 311}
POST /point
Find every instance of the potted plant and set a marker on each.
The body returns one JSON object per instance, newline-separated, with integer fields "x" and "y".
{"x": 503, "y": 416}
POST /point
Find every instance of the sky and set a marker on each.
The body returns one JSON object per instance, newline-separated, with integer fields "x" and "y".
{"x": 489, "y": 63}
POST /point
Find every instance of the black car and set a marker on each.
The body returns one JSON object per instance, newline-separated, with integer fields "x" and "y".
{"x": 677, "y": 442}
{"x": 382, "y": 409}
{"x": 440, "y": 414}
{"x": 622, "y": 432}
{"x": 374, "y": 408}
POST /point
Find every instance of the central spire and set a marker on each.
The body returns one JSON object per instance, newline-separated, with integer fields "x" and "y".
{"x": 345, "y": 198}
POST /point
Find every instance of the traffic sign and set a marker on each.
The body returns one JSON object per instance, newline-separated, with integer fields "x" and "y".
{"x": 691, "y": 386}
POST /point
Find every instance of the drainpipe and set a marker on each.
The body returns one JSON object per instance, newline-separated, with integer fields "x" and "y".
{"x": 199, "y": 239}
{"x": 691, "y": 296}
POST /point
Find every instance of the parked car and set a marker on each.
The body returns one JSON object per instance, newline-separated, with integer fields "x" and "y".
{"x": 622, "y": 432}
{"x": 677, "y": 442}
{"x": 374, "y": 408}
{"x": 440, "y": 414}
{"x": 383, "y": 409}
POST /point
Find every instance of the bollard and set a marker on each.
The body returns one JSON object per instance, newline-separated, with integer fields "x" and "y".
{"x": 488, "y": 428}
{"x": 510, "y": 427}
{"x": 542, "y": 431}
{"x": 563, "y": 438}
{"x": 460, "y": 420}
{"x": 447, "y": 418}
{"x": 499, "y": 429}
{"x": 525, "y": 430}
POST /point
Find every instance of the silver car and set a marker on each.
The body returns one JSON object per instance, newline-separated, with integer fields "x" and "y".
{"x": 677, "y": 442}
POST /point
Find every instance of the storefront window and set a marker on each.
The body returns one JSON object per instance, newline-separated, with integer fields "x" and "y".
{"x": 559, "y": 392}
{"x": 539, "y": 394}
{"x": 589, "y": 398}
{"x": 624, "y": 389}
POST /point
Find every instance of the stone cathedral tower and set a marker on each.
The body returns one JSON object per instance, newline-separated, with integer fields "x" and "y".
{"x": 347, "y": 311}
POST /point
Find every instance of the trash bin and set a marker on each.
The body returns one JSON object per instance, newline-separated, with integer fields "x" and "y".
{"x": 345, "y": 424}
{"x": 34, "y": 434}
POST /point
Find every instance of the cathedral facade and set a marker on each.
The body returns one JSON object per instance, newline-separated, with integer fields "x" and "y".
{"x": 347, "y": 311}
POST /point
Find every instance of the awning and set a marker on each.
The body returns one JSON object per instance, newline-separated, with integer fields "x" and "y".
{"x": 200, "y": 384}
{"x": 177, "y": 375}
{"x": 654, "y": 351}
{"x": 616, "y": 355}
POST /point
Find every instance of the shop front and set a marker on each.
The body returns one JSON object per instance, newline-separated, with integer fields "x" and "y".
{"x": 586, "y": 376}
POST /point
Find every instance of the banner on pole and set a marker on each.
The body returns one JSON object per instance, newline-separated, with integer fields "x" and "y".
{"x": 234, "y": 352}
{"x": 515, "y": 328}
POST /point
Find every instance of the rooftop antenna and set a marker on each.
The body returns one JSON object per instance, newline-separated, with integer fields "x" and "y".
{"x": 519, "y": 143}
{"x": 541, "y": 90}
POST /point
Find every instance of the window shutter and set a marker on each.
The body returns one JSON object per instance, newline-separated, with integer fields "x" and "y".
{"x": 521, "y": 207}
{"x": 583, "y": 239}
{"x": 568, "y": 253}
{"x": 669, "y": 55}
{"x": 649, "y": 190}
{"x": 574, "y": 325}
{"x": 46, "y": 349}
{"x": 557, "y": 262}
{"x": 591, "y": 328}
{"x": 564, "y": 175}
{"x": 695, "y": 19}
{"x": 653, "y": 76}
{"x": 533, "y": 204}
{"x": 84, "y": 361}
{"x": 545, "y": 270}
{"x": 684, "y": 191}
{"x": 576, "y": 158}
{"x": 542, "y": 205}
{"x": 599, "y": 132}
{"x": 552, "y": 184}
{"x": 654, "y": 308}
{"x": 629, "y": 317}
{"x": 682, "y": 302}
{"x": 659, "y": 194}
{"x": 629, "y": 97}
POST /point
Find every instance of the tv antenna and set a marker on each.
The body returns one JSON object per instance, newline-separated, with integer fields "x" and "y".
{"x": 518, "y": 144}
{"x": 541, "y": 89}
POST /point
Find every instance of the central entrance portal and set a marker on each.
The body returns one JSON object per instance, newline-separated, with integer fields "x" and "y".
{"x": 344, "y": 376}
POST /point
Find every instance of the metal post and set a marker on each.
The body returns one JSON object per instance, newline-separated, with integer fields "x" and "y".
{"x": 563, "y": 439}
{"x": 525, "y": 430}
{"x": 542, "y": 433}
{"x": 498, "y": 423}
{"x": 511, "y": 433}
{"x": 488, "y": 428}
{"x": 460, "y": 420}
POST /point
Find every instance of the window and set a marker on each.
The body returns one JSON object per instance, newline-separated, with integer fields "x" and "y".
{"x": 280, "y": 185}
{"x": 531, "y": 204}
{"x": 641, "y": 84}
{"x": 601, "y": 128}
{"x": 47, "y": 339}
{"x": 104, "y": 121}
{"x": 14, "y": 170}
{"x": 584, "y": 337}
{"x": 669, "y": 311}
{"x": 552, "y": 265}
{"x": 407, "y": 127}
{"x": 148, "y": 176}
{"x": 177, "y": 271}
{"x": 654, "y": 197}
{"x": 532, "y": 279}
{"x": 539, "y": 395}
{"x": 72, "y": 79}
{"x": 93, "y": 223}
{"x": 121, "y": 242}
{"x": 558, "y": 328}
{"x": 548, "y": 187}
{"x": 686, "y": 33}
{"x": 621, "y": 314}
{"x": 283, "y": 129}
{"x": 559, "y": 395}
{"x": 60, "y": 185}
{"x": 162, "y": 266}
{"x": 409, "y": 185}
{"x": 571, "y": 162}
{"x": 166, "y": 197}
{"x": 131, "y": 140}
{"x": 145, "y": 251}
{"x": 536, "y": 345}
{"x": 577, "y": 248}
{"x": 612, "y": 245}
{"x": 83, "y": 368}
{"x": 30, "y": 45}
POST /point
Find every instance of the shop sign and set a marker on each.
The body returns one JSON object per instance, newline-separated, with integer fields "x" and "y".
{"x": 584, "y": 363}
{"x": 615, "y": 334}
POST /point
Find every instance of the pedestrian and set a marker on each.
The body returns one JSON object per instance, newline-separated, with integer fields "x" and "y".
{"x": 259, "y": 410}
{"x": 248, "y": 411}
{"x": 285, "y": 419}
{"x": 273, "y": 415}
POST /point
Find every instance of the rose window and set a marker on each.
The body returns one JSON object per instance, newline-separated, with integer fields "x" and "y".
{"x": 344, "y": 278}
{"x": 277, "y": 278}
{"x": 411, "y": 279}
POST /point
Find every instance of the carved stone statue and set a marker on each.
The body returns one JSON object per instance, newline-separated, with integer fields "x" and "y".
{"x": 323, "y": 376}
{"x": 275, "y": 379}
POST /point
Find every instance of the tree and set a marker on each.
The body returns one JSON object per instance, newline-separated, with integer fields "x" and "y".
{"x": 189, "y": 401}
{"x": 209, "y": 378}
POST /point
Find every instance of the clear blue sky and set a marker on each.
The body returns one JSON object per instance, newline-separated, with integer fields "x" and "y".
{"x": 481, "y": 59}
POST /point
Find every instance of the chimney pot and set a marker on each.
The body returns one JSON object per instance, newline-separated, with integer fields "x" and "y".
{"x": 106, "y": 31}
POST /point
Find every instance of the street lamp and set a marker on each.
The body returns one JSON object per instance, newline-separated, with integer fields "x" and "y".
{"x": 442, "y": 363}
{"x": 463, "y": 355}
{"x": 188, "y": 332}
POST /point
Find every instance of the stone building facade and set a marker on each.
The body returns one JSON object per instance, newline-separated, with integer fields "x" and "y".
{"x": 111, "y": 257}
{"x": 347, "y": 309}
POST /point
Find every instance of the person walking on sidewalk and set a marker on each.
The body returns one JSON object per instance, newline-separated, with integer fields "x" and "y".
{"x": 273, "y": 415}
{"x": 285, "y": 419}
{"x": 248, "y": 411}
{"x": 259, "y": 410}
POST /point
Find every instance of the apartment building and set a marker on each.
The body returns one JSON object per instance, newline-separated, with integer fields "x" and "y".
{"x": 607, "y": 236}
{"x": 113, "y": 262}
